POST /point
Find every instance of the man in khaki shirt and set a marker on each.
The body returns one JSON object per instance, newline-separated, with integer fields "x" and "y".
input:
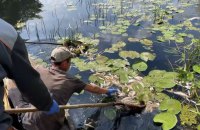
{"x": 61, "y": 85}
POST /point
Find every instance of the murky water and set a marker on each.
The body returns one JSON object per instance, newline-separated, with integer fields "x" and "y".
{"x": 47, "y": 20}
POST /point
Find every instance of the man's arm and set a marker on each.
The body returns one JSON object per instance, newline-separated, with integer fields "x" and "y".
{"x": 95, "y": 89}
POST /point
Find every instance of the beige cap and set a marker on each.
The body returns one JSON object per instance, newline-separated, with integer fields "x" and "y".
{"x": 60, "y": 54}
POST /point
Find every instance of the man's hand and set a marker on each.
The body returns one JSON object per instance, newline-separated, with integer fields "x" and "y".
{"x": 112, "y": 91}
{"x": 54, "y": 108}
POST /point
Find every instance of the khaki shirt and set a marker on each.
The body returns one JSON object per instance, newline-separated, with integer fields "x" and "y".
{"x": 60, "y": 84}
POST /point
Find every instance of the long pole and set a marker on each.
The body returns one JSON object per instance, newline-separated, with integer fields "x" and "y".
{"x": 50, "y": 43}
{"x": 23, "y": 110}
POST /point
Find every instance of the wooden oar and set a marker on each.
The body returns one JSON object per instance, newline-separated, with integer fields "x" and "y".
{"x": 24, "y": 110}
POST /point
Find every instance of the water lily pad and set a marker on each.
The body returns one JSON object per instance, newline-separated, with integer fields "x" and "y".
{"x": 196, "y": 68}
{"x": 130, "y": 54}
{"x": 179, "y": 40}
{"x": 171, "y": 105}
{"x": 161, "y": 39}
{"x": 146, "y": 42}
{"x": 198, "y": 127}
{"x": 180, "y": 11}
{"x": 101, "y": 59}
{"x": 165, "y": 80}
{"x": 155, "y": 73}
{"x": 119, "y": 63}
{"x": 168, "y": 120}
{"x": 123, "y": 76}
{"x": 110, "y": 114}
{"x": 183, "y": 34}
{"x": 147, "y": 56}
{"x": 140, "y": 66}
{"x": 162, "y": 83}
{"x": 131, "y": 39}
{"x": 101, "y": 68}
{"x": 161, "y": 96}
{"x": 116, "y": 47}
{"x": 93, "y": 41}
{"x": 80, "y": 64}
{"x": 95, "y": 79}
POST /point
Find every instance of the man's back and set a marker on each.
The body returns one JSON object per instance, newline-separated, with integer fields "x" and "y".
{"x": 60, "y": 84}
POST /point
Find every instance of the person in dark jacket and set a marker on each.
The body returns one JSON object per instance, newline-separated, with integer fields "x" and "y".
{"x": 61, "y": 85}
{"x": 14, "y": 64}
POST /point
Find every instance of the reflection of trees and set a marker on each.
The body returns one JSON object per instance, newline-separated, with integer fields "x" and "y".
{"x": 199, "y": 6}
{"x": 19, "y": 10}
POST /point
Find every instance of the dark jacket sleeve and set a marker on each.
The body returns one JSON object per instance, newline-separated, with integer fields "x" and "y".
{"x": 27, "y": 79}
{"x": 15, "y": 64}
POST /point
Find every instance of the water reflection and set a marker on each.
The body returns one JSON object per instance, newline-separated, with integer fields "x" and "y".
{"x": 15, "y": 11}
{"x": 199, "y": 7}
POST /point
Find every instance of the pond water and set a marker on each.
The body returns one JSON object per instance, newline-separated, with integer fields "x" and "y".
{"x": 109, "y": 21}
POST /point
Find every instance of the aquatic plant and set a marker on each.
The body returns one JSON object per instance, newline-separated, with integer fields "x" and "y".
{"x": 119, "y": 72}
{"x": 187, "y": 117}
{"x": 167, "y": 119}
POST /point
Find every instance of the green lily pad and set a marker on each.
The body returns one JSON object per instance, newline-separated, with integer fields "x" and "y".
{"x": 140, "y": 66}
{"x": 183, "y": 34}
{"x": 165, "y": 80}
{"x": 198, "y": 127}
{"x": 155, "y": 73}
{"x": 164, "y": 83}
{"x": 180, "y": 11}
{"x": 161, "y": 39}
{"x": 116, "y": 47}
{"x": 130, "y": 54}
{"x": 179, "y": 40}
{"x": 80, "y": 64}
{"x": 110, "y": 114}
{"x": 196, "y": 68}
{"x": 147, "y": 56}
{"x": 119, "y": 63}
{"x": 161, "y": 96}
{"x": 96, "y": 79}
{"x": 123, "y": 76}
{"x": 146, "y": 42}
{"x": 101, "y": 59}
{"x": 171, "y": 105}
{"x": 168, "y": 120}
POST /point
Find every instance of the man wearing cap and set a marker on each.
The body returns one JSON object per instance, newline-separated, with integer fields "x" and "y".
{"x": 61, "y": 85}
{"x": 14, "y": 63}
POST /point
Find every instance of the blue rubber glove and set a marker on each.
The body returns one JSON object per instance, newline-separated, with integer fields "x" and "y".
{"x": 112, "y": 91}
{"x": 54, "y": 108}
